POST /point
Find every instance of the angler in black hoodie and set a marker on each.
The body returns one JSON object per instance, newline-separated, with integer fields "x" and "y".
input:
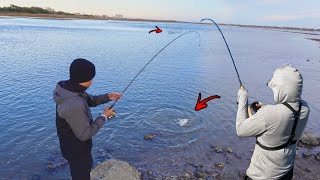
{"x": 75, "y": 125}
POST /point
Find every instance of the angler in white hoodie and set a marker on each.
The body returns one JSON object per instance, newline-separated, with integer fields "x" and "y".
{"x": 275, "y": 126}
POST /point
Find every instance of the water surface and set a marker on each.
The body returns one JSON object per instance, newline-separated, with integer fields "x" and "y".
{"x": 36, "y": 53}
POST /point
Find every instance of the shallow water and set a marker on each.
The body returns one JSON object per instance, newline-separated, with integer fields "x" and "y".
{"x": 36, "y": 54}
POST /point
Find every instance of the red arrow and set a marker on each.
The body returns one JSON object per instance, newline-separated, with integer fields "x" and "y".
{"x": 203, "y": 104}
{"x": 158, "y": 30}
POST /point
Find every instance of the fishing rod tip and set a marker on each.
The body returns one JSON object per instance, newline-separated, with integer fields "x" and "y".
{"x": 204, "y": 19}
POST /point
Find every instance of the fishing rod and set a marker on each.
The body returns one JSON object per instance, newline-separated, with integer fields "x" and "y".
{"x": 207, "y": 19}
{"x": 152, "y": 60}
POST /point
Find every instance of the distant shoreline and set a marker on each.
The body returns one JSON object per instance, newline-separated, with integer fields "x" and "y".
{"x": 72, "y": 17}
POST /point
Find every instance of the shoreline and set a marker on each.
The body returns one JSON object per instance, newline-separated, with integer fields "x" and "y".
{"x": 92, "y": 17}
{"x": 74, "y": 17}
{"x": 220, "y": 163}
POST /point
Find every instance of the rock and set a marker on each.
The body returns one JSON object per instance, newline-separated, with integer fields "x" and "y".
{"x": 218, "y": 149}
{"x": 238, "y": 156}
{"x": 51, "y": 165}
{"x": 199, "y": 174}
{"x": 56, "y": 163}
{"x": 115, "y": 169}
{"x": 229, "y": 150}
{"x": 228, "y": 159}
{"x": 306, "y": 155}
{"x": 187, "y": 175}
{"x": 219, "y": 165}
{"x": 149, "y": 136}
{"x": 174, "y": 178}
{"x": 317, "y": 156}
{"x": 308, "y": 59}
{"x": 310, "y": 139}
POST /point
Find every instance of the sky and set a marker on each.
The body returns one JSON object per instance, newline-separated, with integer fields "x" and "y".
{"x": 291, "y": 13}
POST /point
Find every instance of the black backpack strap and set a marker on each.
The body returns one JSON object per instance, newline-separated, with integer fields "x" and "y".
{"x": 296, "y": 118}
{"x": 292, "y": 135}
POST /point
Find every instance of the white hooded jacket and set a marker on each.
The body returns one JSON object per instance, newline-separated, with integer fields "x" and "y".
{"x": 273, "y": 124}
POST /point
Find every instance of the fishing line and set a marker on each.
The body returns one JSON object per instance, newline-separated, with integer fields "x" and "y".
{"x": 152, "y": 60}
{"x": 227, "y": 47}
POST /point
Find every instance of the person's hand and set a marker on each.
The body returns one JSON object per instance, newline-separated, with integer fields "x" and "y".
{"x": 242, "y": 89}
{"x": 258, "y": 105}
{"x": 114, "y": 96}
{"x": 108, "y": 112}
{"x": 242, "y": 92}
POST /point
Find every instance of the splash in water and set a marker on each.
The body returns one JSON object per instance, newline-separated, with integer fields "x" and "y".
{"x": 183, "y": 122}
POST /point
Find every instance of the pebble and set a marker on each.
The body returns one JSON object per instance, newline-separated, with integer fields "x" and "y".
{"x": 219, "y": 165}
{"x": 317, "y": 156}
{"x": 228, "y": 159}
{"x": 187, "y": 175}
{"x": 238, "y": 156}
{"x": 199, "y": 174}
{"x": 51, "y": 165}
{"x": 218, "y": 149}
{"x": 174, "y": 178}
{"x": 149, "y": 136}
{"x": 229, "y": 150}
{"x": 306, "y": 155}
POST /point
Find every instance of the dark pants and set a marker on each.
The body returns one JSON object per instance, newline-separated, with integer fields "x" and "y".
{"x": 80, "y": 166}
{"x": 287, "y": 176}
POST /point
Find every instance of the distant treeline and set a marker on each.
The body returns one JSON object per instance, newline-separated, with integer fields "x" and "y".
{"x": 32, "y": 10}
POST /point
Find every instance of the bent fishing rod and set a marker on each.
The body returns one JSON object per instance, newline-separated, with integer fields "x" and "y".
{"x": 151, "y": 61}
{"x": 235, "y": 67}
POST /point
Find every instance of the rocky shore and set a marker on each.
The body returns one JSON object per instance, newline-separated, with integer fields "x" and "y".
{"x": 307, "y": 165}
{"x": 225, "y": 163}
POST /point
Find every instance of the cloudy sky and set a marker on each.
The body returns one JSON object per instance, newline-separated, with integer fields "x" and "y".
{"x": 294, "y": 13}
